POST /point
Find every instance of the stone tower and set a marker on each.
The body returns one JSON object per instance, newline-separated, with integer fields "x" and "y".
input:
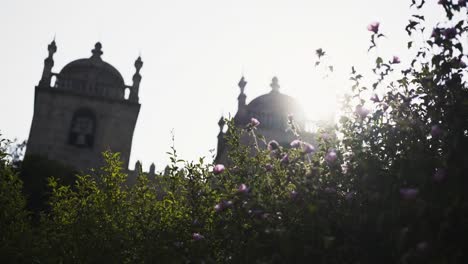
{"x": 83, "y": 110}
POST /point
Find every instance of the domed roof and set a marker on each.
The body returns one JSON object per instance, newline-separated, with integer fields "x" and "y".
{"x": 87, "y": 67}
{"x": 275, "y": 102}
{"x": 273, "y": 108}
{"x": 92, "y": 75}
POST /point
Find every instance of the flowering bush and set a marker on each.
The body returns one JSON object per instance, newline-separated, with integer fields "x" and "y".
{"x": 386, "y": 185}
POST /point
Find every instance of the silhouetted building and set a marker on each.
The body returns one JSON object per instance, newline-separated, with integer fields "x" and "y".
{"x": 83, "y": 110}
{"x": 272, "y": 110}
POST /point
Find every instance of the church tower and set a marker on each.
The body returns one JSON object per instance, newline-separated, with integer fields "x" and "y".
{"x": 83, "y": 110}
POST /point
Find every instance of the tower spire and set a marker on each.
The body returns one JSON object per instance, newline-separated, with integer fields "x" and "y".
{"x": 274, "y": 84}
{"x": 97, "y": 51}
{"x": 136, "y": 80}
{"x": 48, "y": 64}
{"x": 241, "y": 98}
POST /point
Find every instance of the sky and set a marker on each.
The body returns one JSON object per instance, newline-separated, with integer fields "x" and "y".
{"x": 194, "y": 54}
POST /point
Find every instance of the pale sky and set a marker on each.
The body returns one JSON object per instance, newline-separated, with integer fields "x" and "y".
{"x": 194, "y": 53}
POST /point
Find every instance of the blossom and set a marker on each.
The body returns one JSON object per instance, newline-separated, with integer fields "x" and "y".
{"x": 268, "y": 167}
{"x": 308, "y": 148}
{"x": 285, "y": 159}
{"x": 395, "y": 60}
{"x": 361, "y": 111}
{"x": 197, "y": 236}
{"x": 293, "y": 194}
{"x": 449, "y": 33}
{"x": 374, "y": 27}
{"x": 325, "y": 136}
{"x": 375, "y": 98}
{"x": 331, "y": 156}
{"x": 242, "y": 188}
{"x": 218, "y": 169}
{"x": 409, "y": 193}
{"x": 296, "y": 143}
{"x": 218, "y": 207}
{"x": 273, "y": 145}
{"x": 436, "y": 131}
{"x": 461, "y": 64}
{"x": 439, "y": 175}
{"x": 254, "y": 122}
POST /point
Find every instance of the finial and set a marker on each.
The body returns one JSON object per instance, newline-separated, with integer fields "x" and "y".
{"x": 52, "y": 48}
{"x": 221, "y": 123}
{"x": 97, "y": 51}
{"x": 138, "y": 166}
{"x": 274, "y": 84}
{"x": 138, "y": 63}
{"x": 242, "y": 83}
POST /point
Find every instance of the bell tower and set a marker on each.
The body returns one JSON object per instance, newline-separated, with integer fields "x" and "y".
{"x": 85, "y": 112}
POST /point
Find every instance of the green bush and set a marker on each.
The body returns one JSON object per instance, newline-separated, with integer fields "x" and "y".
{"x": 387, "y": 184}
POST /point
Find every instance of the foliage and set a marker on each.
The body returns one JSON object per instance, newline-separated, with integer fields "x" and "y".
{"x": 386, "y": 185}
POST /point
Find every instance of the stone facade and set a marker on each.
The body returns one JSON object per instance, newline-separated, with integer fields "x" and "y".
{"x": 86, "y": 110}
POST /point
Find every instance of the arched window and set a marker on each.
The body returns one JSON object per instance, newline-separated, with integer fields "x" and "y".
{"x": 82, "y": 129}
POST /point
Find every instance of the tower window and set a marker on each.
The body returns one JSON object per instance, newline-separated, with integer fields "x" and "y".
{"x": 82, "y": 129}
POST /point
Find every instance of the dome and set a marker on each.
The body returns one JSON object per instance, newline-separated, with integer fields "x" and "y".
{"x": 92, "y": 76}
{"x": 103, "y": 71}
{"x": 272, "y": 110}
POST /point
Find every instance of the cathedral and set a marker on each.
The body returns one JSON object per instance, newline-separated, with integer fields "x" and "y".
{"x": 272, "y": 111}
{"x": 83, "y": 110}
{"x": 86, "y": 109}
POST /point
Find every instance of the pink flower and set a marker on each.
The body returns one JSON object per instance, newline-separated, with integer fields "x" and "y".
{"x": 409, "y": 193}
{"x": 242, "y": 188}
{"x": 395, "y": 60}
{"x": 436, "y": 131}
{"x": 449, "y": 33}
{"x": 439, "y": 175}
{"x": 296, "y": 143}
{"x": 218, "y": 207}
{"x": 373, "y": 27}
{"x": 273, "y": 145}
{"x": 308, "y": 148}
{"x": 254, "y": 122}
{"x": 197, "y": 236}
{"x": 325, "y": 136}
{"x": 293, "y": 194}
{"x": 462, "y": 64}
{"x": 218, "y": 169}
{"x": 361, "y": 111}
{"x": 285, "y": 159}
{"x": 331, "y": 156}
{"x": 375, "y": 98}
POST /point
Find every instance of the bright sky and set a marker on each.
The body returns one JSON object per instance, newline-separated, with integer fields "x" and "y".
{"x": 194, "y": 53}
